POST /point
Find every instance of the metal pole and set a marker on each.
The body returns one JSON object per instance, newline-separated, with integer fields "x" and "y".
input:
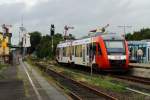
{"x": 52, "y": 44}
{"x": 124, "y": 28}
{"x": 19, "y": 39}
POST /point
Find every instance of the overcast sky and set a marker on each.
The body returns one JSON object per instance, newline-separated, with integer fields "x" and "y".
{"x": 84, "y": 15}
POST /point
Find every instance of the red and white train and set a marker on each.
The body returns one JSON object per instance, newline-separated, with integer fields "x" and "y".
{"x": 105, "y": 52}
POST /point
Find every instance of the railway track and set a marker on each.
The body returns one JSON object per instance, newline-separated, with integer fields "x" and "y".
{"x": 77, "y": 90}
{"x": 136, "y": 79}
{"x": 133, "y": 79}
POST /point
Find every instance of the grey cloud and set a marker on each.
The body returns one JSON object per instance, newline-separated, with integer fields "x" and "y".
{"x": 83, "y": 14}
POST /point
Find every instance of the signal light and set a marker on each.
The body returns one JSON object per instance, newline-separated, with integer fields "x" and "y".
{"x": 52, "y": 29}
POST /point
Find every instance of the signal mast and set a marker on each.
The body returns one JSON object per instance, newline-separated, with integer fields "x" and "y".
{"x": 102, "y": 29}
{"x": 66, "y": 29}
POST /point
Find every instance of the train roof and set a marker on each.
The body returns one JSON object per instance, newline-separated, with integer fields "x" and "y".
{"x": 75, "y": 42}
{"x": 112, "y": 37}
{"x": 109, "y": 36}
{"x": 89, "y": 39}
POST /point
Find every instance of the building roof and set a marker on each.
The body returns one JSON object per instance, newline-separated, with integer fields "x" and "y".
{"x": 138, "y": 43}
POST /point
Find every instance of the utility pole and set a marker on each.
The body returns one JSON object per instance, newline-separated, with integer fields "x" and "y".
{"x": 124, "y": 28}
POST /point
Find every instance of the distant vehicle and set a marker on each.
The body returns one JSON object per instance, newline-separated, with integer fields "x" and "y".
{"x": 108, "y": 52}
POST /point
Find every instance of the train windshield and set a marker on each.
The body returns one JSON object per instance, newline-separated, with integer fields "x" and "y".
{"x": 115, "y": 47}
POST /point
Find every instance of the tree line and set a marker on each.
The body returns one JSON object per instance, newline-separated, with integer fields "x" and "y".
{"x": 139, "y": 35}
{"x": 41, "y": 46}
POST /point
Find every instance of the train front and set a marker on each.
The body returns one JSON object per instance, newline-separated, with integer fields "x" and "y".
{"x": 117, "y": 53}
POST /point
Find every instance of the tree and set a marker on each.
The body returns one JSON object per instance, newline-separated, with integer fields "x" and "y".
{"x": 42, "y": 45}
{"x": 44, "y": 49}
{"x": 35, "y": 38}
{"x": 70, "y": 37}
{"x": 139, "y": 35}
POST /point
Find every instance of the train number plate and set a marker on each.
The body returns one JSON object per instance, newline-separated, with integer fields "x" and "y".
{"x": 117, "y": 57}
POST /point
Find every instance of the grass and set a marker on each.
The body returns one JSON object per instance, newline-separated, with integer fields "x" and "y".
{"x": 2, "y": 68}
{"x": 94, "y": 80}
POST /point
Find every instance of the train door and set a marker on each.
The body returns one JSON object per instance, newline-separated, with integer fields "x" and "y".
{"x": 59, "y": 54}
{"x": 87, "y": 54}
{"x": 99, "y": 57}
{"x": 73, "y": 52}
{"x": 92, "y": 52}
{"x": 83, "y": 54}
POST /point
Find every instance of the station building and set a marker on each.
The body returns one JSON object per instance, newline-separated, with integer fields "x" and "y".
{"x": 134, "y": 46}
{"x": 5, "y": 41}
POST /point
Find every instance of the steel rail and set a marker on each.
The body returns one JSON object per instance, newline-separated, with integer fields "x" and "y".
{"x": 82, "y": 87}
{"x": 133, "y": 79}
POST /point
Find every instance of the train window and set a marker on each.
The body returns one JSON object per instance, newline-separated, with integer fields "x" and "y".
{"x": 78, "y": 50}
{"x": 67, "y": 51}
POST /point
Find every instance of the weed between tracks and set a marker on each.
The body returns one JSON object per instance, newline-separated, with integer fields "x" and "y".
{"x": 105, "y": 83}
{"x": 94, "y": 80}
